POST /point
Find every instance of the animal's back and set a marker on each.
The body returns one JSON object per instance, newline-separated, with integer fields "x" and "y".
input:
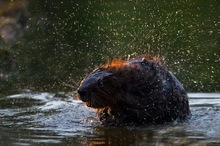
{"x": 158, "y": 95}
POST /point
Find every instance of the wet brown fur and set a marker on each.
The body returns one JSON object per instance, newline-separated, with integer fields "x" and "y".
{"x": 138, "y": 91}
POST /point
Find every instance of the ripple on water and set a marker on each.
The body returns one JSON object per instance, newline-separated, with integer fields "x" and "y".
{"x": 60, "y": 115}
{"x": 205, "y": 108}
{"x": 50, "y": 118}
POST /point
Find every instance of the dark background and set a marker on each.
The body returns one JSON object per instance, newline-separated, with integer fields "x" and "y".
{"x": 65, "y": 40}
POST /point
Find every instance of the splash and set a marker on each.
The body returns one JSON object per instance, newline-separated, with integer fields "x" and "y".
{"x": 116, "y": 63}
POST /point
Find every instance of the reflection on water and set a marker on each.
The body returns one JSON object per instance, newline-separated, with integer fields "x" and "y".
{"x": 50, "y": 119}
{"x": 206, "y": 109}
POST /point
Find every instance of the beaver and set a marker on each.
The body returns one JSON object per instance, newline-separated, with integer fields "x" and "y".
{"x": 139, "y": 91}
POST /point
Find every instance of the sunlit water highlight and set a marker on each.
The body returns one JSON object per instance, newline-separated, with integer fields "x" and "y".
{"x": 46, "y": 118}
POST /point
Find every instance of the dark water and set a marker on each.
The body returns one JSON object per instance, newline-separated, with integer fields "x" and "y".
{"x": 49, "y": 119}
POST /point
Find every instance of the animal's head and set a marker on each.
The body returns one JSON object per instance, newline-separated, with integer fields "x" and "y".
{"x": 98, "y": 89}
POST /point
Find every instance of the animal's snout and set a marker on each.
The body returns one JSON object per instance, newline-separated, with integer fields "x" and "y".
{"x": 81, "y": 92}
{"x": 82, "y": 95}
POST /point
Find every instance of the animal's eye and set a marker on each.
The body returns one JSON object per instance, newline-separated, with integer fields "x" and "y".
{"x": 100, "y": 83}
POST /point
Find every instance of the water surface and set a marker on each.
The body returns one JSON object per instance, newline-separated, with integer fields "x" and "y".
{"x": 58, "y": 119}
